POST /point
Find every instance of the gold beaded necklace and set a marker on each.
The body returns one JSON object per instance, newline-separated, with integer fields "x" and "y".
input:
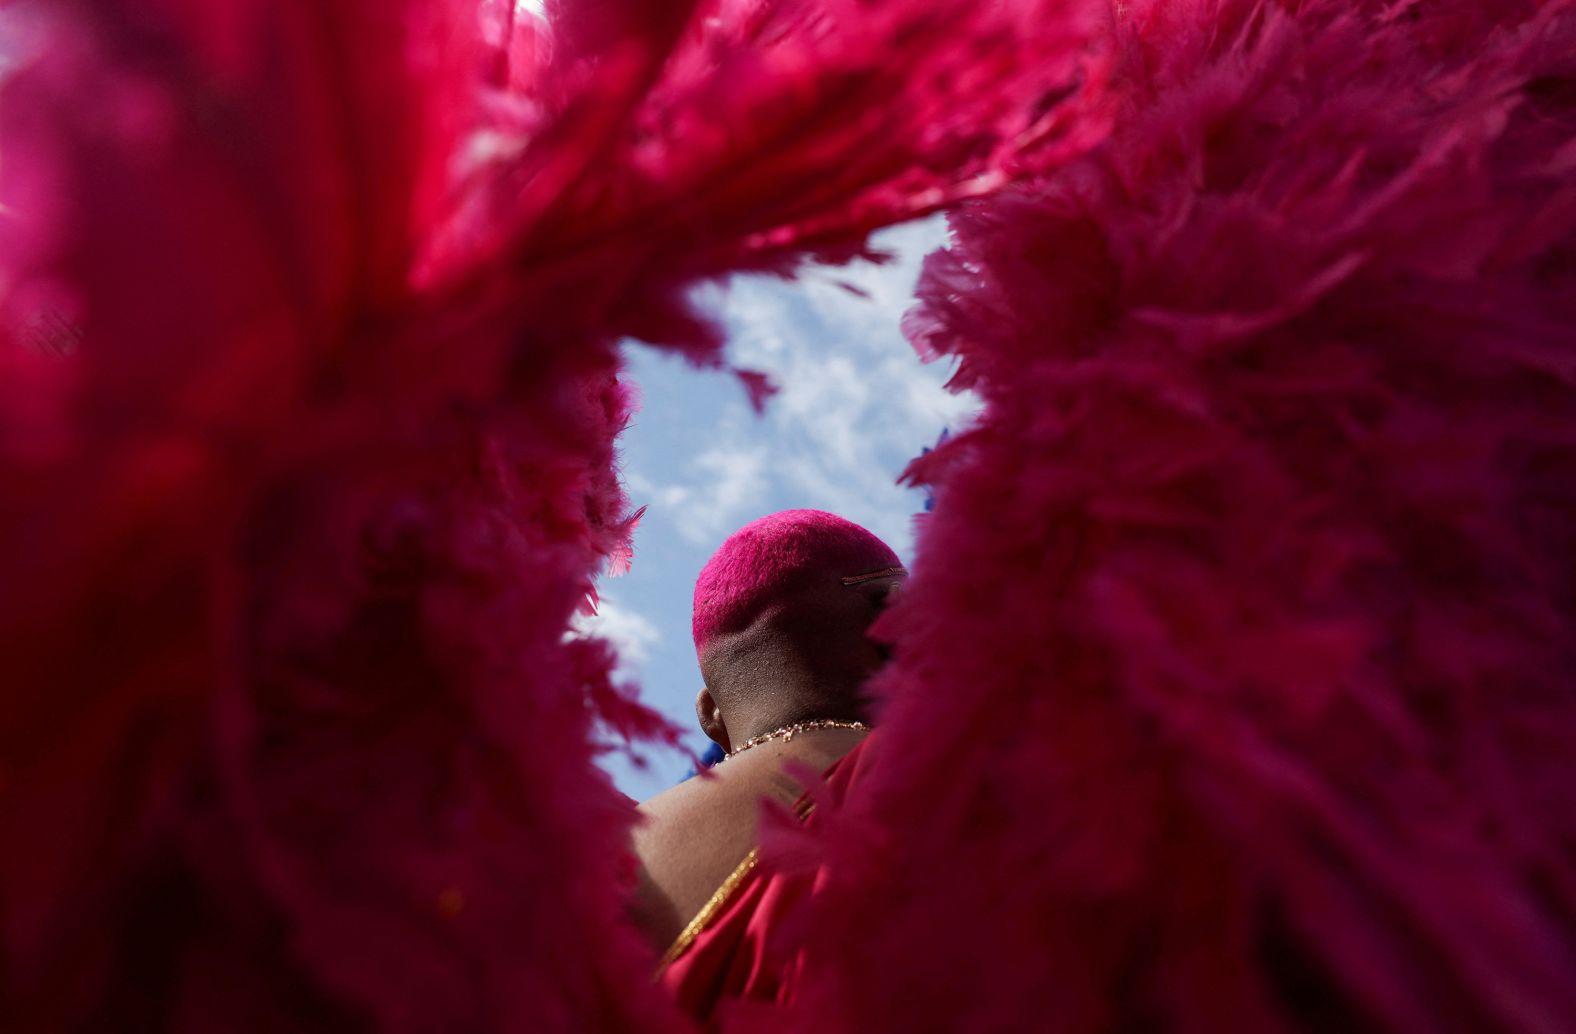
{"x": 788, "y": 732}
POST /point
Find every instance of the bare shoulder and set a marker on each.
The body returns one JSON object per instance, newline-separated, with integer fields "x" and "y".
{"x": 741, "y": 781}
{"x": 692, "y": 837}
{"x": 689, "y": 839}
{"x": 706, "y": 825}
{"x": 728, "y": 799}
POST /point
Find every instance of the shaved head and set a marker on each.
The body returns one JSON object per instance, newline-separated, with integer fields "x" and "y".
{"x": 781, "y": 615}
{"x": 769, "y": 559}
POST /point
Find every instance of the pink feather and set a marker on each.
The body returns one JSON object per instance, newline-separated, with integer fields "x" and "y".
{"x": 309, "y": 332}
{"x": 1234, "y": 685}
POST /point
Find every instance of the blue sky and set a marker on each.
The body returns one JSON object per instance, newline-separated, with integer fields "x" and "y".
{"x": 854, "y": 406}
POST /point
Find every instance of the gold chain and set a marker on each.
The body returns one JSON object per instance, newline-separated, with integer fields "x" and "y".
{"x": 788, "y": 732}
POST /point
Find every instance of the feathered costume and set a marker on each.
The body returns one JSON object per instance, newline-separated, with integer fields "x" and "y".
{"x": 1234, "y": 686}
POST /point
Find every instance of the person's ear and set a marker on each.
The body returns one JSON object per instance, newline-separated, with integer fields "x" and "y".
{"x": 710, "y": 717}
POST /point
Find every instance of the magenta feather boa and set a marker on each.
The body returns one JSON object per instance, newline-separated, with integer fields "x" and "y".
{"x": 1234, "y": 685}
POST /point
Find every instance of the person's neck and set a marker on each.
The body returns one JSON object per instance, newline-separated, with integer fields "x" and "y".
{"x": 773, "y": 684}
{"x": 760, "y": 724}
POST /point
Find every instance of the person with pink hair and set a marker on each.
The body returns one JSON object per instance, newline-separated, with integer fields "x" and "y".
{"x": 781, "y": 616}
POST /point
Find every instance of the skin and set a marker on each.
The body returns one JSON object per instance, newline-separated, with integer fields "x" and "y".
{"x": 805, "y": 658}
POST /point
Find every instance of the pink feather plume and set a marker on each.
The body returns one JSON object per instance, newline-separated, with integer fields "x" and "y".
{"x": 308, "y": 392}
{"x": 1233, "y": 687}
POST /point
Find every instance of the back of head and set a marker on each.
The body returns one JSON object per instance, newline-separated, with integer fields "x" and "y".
{"x": 768, "y": 560}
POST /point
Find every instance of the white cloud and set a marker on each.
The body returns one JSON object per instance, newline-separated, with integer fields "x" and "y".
{"x": 854, "y": 403}
{"x": 724, "y": 484}
{"x": 631, "y": 634}
{"x": 638, "y": 484}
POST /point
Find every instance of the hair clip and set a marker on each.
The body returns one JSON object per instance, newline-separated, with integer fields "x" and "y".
{"x": 855, "y": 579}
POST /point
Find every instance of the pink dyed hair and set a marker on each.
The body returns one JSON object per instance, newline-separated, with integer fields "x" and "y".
{"x": 774, "y": 554}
